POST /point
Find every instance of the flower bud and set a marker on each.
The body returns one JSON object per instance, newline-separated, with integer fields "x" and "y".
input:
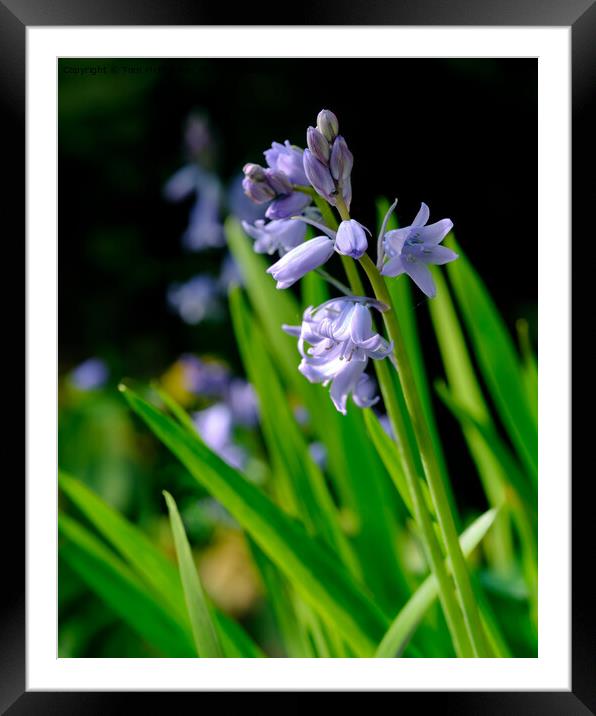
{"x": 319, "y": 177}
{"x": 258, "y": 191}
{"x": 341, "y": 160}
{"x": 254, "y": 172}
{"x": 327, "y": 124}
{"x": 278, "y": 182}
{"x": 351, "y": 239}
{"x": 318, "y": 145}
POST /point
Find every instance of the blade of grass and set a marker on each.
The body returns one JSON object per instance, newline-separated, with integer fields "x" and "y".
{"x": 530, "y": 365}
{"x": 313, "y": 570}
{"x": 464, "y": 386}
{"x": 518, "y": 495}
{"x": 279, "y": 598}
{"x": 406, "y": 622}
{"x": 497, "y": 358}
{"x": 203, "y": 629}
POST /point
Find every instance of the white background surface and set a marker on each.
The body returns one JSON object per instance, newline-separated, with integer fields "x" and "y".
{"x": 551, "y": 670}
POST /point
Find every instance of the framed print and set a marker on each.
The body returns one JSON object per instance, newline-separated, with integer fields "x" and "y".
{"x": 288, "y": 288}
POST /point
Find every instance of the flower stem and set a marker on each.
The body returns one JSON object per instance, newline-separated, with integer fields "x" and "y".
{"x": 430, "y": 465}
{"x": 453, "y": 615}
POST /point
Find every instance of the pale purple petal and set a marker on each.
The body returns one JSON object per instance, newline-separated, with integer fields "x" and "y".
{"x": 345, "y": 382}
{"x": 300, "y": 260}
{"x": 287, "y": 159}
{"x": 319, "y": 176}
{"x": 182, "y": 183}
{"x": 435, "y": 233}
{"x": 440, "y": 255}
{"x": 287, "y": 206}
{"x": 90, "y": 375}
{"x": 421, "y": 275}
{"x": 393, "y": 267}
{"x": 351, "y": 239}
{"x": 422, "y": 216}
{"x": 364, "y": 394}
{"x": 394, "y": 240}
{"x": 361, "y": 324}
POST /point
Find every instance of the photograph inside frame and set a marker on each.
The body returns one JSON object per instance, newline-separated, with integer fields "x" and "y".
{"x": 298, "y": 358}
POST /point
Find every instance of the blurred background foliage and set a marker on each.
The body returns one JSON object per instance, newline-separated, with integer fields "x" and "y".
{"x": 457, "y": 134}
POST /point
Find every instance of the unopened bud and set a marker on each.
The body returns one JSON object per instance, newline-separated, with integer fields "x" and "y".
{"x": 341, "y": 160}
{"x": 319, "y": 177}
{"x": 327, "y": 124}
{"x": 318, "y": 145}
{"x": 254, "y": 172}
{"x": 278, "y": 181}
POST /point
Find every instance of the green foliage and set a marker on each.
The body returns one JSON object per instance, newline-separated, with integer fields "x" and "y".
{"x": 336, "y": 545}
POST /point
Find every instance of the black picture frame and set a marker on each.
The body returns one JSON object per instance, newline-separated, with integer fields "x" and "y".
{"x": 15, "y": 17}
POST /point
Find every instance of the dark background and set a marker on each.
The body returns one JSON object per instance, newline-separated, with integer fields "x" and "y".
{"x": 460, "y": 135}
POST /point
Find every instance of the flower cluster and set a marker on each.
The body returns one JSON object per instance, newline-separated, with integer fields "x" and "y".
{"x": 277, "y": 185}
{"x": 328, "y": 161}
{"x": 341, "y": 339}
{"x": 339, "y": 333}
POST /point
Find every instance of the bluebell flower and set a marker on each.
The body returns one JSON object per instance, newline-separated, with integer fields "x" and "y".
{"x": 318, "y": 453}
{"x": 299, "y": 261}
{"x": 278, "y": 235}
{"x": 328, "y": 161}
{"x": 204, "y": 229}
{"x": 412, "y": 248}
{"x": 197, "y": 137}
{"x": 287, "y": 159}
{"x": 365, "y": 392}
{"x": 349, "y": 239}
{"x": 90, "y": 374}
{"x": 240, "y": 206}
{"x": 242, "y": 400}
{"x": 215, "y": 426}
{"x": 206, "y": 378}
{"x": 196, "y": 299}
{"x": 341, "y": 339}
{"x": 230, "y": 274}
{"x": 275, "y": 183}
{"x": 182, "y": 183}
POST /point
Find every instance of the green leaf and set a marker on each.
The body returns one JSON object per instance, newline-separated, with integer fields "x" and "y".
{"x": 122, "y": 590}
{"x": 310, "y": 567}
{"x": 465, "y": 388}
{"x": 203, "y": 628}
{"x": 491, "y": 440}
{"x": 405, "y": 624}
{"x": 387, "y": 451}
{"x": 497, "y": 358}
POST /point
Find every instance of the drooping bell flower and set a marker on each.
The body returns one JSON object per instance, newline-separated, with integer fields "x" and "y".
{"x": 349, "y": 240}
{"x": 341, "y": 340}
